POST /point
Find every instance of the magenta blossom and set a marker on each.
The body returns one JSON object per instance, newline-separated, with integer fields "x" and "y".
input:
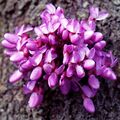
{"x": 62, "y": 53}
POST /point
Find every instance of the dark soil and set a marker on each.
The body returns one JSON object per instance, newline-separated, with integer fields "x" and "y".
{"x": 13, "y": 104}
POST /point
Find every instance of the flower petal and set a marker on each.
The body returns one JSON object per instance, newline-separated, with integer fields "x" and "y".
{"x": 102, "y": 15}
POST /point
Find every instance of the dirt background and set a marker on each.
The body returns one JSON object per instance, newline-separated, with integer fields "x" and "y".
{"x": 13, "y": 104}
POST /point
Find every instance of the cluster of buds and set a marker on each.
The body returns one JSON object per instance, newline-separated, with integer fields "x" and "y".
{"x": 64, "y": 53}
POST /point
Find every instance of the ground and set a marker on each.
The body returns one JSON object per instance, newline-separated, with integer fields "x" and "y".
{"x": 13, "y": 104}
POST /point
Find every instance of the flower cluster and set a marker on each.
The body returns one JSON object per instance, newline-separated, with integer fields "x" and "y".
{"x": 65, "y": 53}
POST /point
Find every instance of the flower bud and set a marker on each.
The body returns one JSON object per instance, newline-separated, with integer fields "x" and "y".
{"x": 29, "y": 87}
{"x": 80, "y": 71}
{"x": 17, "y": 57}
{"x": 60, "y": 69}
{"x": 64, "y": 86}
{"x": 70, "y": 71}
{"x": 100, "y": 45}
{"x": 47, "y": 68}
{"x": 87, "y": 91}
{"x": 97, "y": 37}
{"x": 7, "y": 44}
{"x": 108, "y": 73}
{"x": 31, "y": 45}
{"x": 93, "y": 82}
{"x": 36, "y": 73}
{"x": 88, "y": 64}
{"x": 12, "y": 38}
{"x": 65, "y": 35}
{"x": 88, "y": 104}
{"x": 52, "y": 80}
{"x": 35, "y": 99}
{"x": 26, "y": 65}
{"x": 16, "y": 76}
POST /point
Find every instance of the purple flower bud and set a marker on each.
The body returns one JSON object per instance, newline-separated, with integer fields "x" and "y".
{"x": 26, "y": 65}
{"x": 36, "y": 73}
{"x": 64, "y": 86}
{"x": 88, "y": 64}
{"x": 47, "y": 68}
{"x": 93, "y": 82}
{"x": 29, "y": 87}
{"x": 17, "y": 57}
{"x": 16, "y": 76}
{"x": 35, "y": 99}
{"x": 52, "y": 80}
{"x": 80, "y": 71}
{"x": 12, "y": 38}
{"x": 65, "y": 35}
{"x": 108, "y": 73}
{"x": 70, "y": 71}
{"x": 100, "y": 45}
{"x": 97, "y": 37}
{"x": 60, "y": 69}
{"x": 7, "y": 44}
{"x": 31, "y": 45}
{"x": 87, "y": 91}
{"x": 88, "y": 104}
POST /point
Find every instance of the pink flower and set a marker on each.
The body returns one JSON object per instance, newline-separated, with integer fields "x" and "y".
{"x": 64, "y": 53}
